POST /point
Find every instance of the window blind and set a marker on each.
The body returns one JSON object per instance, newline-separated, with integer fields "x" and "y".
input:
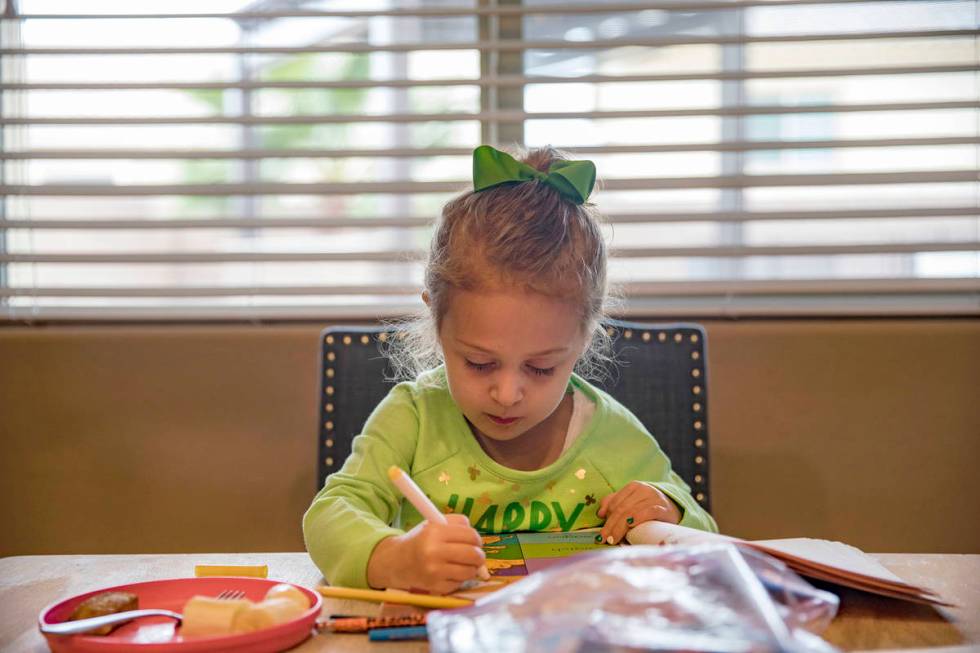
{"x": 282, "y": 159}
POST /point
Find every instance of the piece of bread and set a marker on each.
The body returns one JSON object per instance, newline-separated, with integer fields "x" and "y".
{"x": 287, "y": 591}
{"x": 206, "y": 616}
{"x": 270, "y": 612}
{"x": 103, "y": 604}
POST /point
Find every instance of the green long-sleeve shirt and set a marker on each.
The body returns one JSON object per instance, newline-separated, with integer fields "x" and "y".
{"x": 419, "y": 428}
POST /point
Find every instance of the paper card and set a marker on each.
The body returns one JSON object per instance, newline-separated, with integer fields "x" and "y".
{"x": 519, "y": 554}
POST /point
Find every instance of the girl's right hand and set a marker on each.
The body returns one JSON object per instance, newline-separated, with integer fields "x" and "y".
{"x": 434, "y": 557}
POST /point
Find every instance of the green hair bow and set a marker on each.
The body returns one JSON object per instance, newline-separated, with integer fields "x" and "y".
{"x": 573, "y": 179}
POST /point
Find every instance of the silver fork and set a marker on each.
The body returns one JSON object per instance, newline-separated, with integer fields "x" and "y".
{"x": 85, "y": 625}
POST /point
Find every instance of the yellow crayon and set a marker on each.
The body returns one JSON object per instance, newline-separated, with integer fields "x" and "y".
{"x": 256, "y": 571}
{"x": 393, "y": 596}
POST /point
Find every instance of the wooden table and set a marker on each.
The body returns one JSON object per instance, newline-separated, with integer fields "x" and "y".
{"x": 865, "y": 622}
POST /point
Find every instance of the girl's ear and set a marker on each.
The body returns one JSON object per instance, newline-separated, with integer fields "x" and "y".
{"x": 425, "y": 298}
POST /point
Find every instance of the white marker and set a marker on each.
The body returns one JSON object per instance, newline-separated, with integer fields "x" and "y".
{"x": 422, "y": 503}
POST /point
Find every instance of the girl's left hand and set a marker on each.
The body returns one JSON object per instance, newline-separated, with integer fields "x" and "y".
{"x": 634, "y": 504}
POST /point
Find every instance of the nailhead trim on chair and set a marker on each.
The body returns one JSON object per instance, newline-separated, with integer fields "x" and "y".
{"x": 698, "y": 426}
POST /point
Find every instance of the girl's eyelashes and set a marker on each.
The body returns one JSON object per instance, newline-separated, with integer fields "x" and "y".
{"x": 541, "y": 371}
{"x": 483, "y": 367}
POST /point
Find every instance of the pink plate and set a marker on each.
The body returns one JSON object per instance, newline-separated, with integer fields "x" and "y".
{"x": 159, "y": 634}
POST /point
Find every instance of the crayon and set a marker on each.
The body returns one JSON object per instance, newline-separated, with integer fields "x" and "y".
{"x": 257, "y": 571}
{"x": 393, "y": 596}
{"x": 394, "y": 634}
{"x": 364, "y": 624}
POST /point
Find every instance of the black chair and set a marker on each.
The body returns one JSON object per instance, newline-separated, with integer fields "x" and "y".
{"x": 661, "y": 378}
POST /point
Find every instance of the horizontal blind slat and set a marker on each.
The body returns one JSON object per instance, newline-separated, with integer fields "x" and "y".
{"x": 717, "y": 146}
{"x": 634, "y": 289}
{"x": 219, "y": 223}
{"x": 805, "y": 306}
{"x": 502, "y": 45}
{"x": 421, "y": 11}
{"x": 728, "y": 306}
{"x": 420, "y": 222}
{"x": 742, "y": 251}
{"x": 521, "y": 80}
{"x": 210, "y": 291}
{"x": 404, "y": 256}
{"x": 180, "y": 258}
{"x": 350, "y": 188}
{"x": 800, "y": 286}
{"x": 497, "y": 116}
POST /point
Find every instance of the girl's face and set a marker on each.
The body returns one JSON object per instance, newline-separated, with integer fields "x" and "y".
{"x": 509, "y": 354}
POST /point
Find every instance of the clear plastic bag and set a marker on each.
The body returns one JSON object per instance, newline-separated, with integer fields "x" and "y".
{"x": 711, "y": 597}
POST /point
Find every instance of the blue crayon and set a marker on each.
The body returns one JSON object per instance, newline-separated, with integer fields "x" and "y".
{"x": 392, "y": 634}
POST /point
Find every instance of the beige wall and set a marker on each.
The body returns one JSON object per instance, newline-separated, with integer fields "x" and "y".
{"x": 202, "y": 438}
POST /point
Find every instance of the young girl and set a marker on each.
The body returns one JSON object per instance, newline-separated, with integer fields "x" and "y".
{"x": 502, "y": 436}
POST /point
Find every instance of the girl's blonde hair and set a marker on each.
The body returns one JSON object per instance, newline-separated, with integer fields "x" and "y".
{"x": 525, "y": 234}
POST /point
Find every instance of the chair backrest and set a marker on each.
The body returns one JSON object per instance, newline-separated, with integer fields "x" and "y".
{"x": 661, "y": 377}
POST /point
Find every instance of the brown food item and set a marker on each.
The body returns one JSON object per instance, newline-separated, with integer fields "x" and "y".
{"x": 102, "y": 604}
